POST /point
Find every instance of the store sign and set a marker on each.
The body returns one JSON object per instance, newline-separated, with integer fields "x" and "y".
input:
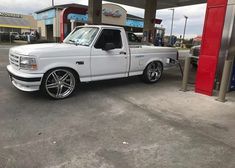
{"x": 110, "y": 12}
{"x": 134, "y": 23}
{"x": 4, "y": 14}
{"x": 78, "y": 17}
{"x": 113, "y": 14}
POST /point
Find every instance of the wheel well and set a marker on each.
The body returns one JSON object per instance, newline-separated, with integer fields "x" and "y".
{"x": 155, "y": 61}
{"x": 71, "y": 69}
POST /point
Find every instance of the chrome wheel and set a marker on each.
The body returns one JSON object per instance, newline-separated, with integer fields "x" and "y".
{"x": 60, "y": 83}
{"x": 154, "y": 71}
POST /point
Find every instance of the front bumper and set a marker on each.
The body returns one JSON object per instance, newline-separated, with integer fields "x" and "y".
{"x": 24, "y": 81}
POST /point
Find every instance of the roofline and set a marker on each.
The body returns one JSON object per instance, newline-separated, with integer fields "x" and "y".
{"x": 134, "y": 17}
{"x": 61, "y": 6}
{"x": 70, "y": 5}
{"x": 45, "y": 9}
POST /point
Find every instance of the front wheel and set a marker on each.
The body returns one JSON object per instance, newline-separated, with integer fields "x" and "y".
{"x": 153, "y": 72}
{"x": 59, "y": 83}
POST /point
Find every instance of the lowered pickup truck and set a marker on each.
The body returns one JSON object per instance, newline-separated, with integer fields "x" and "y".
{"x": 89, "y": 53}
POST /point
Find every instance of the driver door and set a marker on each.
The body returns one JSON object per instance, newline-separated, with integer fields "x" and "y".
{"x": 107, "y": 64}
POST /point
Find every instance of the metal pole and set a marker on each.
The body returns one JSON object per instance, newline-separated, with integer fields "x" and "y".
{"x": 186, "y": 19}
{"x": 10, "y": 37}
{"x": 186, "y": 74}
{"x": 52, "y": 2}
{"x": 225, "y": 81}
{"x": 172, "y": 23}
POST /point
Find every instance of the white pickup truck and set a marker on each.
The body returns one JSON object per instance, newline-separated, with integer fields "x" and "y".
{"x": 89, "y": 53}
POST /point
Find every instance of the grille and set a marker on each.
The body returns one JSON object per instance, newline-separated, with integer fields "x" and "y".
{"x": 14, "y": 60}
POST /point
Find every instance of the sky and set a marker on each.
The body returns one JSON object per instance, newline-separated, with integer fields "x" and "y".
{"x": 196, "y": 13}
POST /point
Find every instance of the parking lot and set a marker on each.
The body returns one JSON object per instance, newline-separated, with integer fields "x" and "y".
{"x": 122, "y": 123}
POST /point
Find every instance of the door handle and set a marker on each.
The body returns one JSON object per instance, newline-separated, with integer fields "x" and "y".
{"x": 123, "y": 52}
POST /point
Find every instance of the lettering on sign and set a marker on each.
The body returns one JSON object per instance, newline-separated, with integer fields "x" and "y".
{"x": 112, "y": 13}
{"x": 4, "y": 14}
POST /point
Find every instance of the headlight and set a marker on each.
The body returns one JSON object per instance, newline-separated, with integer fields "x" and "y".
{"x": 28, "y": 63}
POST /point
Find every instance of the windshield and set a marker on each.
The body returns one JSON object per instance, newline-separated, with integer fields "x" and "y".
{"x": 82, "y": 36}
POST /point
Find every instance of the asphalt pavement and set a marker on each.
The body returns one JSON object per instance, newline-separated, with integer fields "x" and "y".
{"x": 4, "y": 50}
{"x": 121, "y": 123}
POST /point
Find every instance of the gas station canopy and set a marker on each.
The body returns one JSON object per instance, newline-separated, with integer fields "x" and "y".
{"x": 161, "y": 4}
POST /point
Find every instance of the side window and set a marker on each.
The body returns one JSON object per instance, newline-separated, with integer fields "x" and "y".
{"x": 109, "y": 36}
{"x": 132, "y": 38}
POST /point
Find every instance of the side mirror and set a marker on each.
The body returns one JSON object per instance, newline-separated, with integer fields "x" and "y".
{"x": 108, "y": 46}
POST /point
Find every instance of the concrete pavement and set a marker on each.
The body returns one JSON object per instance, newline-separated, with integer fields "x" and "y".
{"x": 120, "y": 123}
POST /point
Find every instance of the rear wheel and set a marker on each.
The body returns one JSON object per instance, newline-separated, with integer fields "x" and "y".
{"x": 59, "y": 83}
{"x": 153, "y": 72}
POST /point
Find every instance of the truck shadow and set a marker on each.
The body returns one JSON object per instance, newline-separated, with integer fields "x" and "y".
{"x": 168, "y": 77}
{"x": 171, "y": 78}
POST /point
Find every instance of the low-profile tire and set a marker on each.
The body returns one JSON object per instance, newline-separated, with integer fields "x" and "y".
{"x": 153, "y": 72}
{"x": 59, "y": 83}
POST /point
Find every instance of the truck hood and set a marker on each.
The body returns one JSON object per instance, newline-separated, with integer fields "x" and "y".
{"x": 51, "y": 49}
